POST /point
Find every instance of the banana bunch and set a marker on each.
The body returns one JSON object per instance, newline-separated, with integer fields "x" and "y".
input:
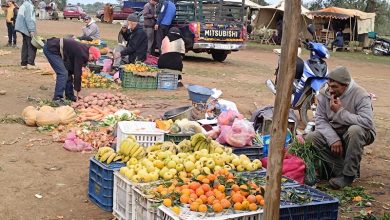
{"x": 169, "y": 146}
{"x": 130, "y": 148}
{"x": 199, "y": 141}
{"x": 107, "y": 154}
{"x": 184, "y": 146}
{"x": 154, "y": 148}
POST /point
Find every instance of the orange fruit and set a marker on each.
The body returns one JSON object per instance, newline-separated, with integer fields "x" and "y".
{"x": 193, "y": 196}
{"x": 205, "y": 180}
{"x": 206, "y": 187}
{"x": 221, "y": 188}
{"x": 237, "y": 206}
{"x": 194, "y": 206}
{"x": 237, "y": 198}
{"x": 216, "y": 201}
{"x": 176, "y": 210}
{"x": 217, "y": 207}
{"x": 252, "y": 207}
{"x": 202, "y": 208}
{"x": 235, "y": 187}
{"x": 244, "y": 187}
{"x": 245, "y": 204}
{"x": 186, "y": 192}
{"x": 210, "y": 193}
{"x": 167, "y": 202}
{"x": 203, "y": 198}
{"x": 251, "y": 199}
{"x": 210, "y": 200}
{"x": 230, "y": 176}
{"x": 194, "y": 185}
{"x": 185, "y": 186}
{"x": 199, "y": 191}
{"x": 184, "y": 199}
{"x": 219, "y": 195}
{"x": 225, "y": 203}
{"x": 211, "y": 177}
{"x": 262, "y": 202}
{"x": 198, "y": 200}
{"x": 223, "y": 172}
{"x": 259, "y": 198}
{"x": 200, "y": 177}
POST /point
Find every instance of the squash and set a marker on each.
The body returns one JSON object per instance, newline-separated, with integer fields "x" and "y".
{"x": 47, "y": 109}
{"x": 47, "y": 118}
{"x": 27, "y": 109}
{"x": 29, "y": 115}
{"x": 66, "y": 114}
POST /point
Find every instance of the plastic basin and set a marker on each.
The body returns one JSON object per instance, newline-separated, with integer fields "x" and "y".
{"x": 199, "y": 93}
{"x": 178, "y": 113}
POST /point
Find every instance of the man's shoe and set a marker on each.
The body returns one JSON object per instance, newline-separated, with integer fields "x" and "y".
{"x": 340, "y": 182}
{"x": 15, "y": 46}
{"x": 59, "y": 102}
{"x": 72, "y": 98}
{"x": 32, "y": 67}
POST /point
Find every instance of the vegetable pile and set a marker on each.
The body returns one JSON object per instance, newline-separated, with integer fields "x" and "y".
{"x": 109, "y": 100}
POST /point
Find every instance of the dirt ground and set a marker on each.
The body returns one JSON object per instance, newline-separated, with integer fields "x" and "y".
{"x": 27, "y": 158}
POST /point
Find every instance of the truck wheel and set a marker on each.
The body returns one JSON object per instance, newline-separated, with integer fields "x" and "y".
{"x": 219, "y": 56}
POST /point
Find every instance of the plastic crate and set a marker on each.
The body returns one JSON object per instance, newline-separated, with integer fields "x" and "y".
{"x": 252, "y": 152}
{"x": 129, "y": 80}
{"x": 145, "y": 133}
{"x": 267, "y": 141}
{"x": 185, "y": 213}
{"x": 123, "y": 198}
{"x": 166, "y": 80}
{"x": 322, "y": 205}
{"x": 259, "y": 176}
{"x": 176, "y": 138}
{"x": 145, "y": 208}
{"x": 101, "y": 183}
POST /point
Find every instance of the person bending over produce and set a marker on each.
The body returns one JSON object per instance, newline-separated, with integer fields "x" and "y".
{"x": 67, "y": 57}
{"x": 343, "y": 126}
{"x": 137, "y": 41}
{"x": 172, "y": 51}
{"x": 91, "y": 30}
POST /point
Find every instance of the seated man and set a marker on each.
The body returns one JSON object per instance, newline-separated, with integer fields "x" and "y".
{"x": 339, "y": 41}
{"x": 343, "y": 126}
{"x": 137, "y": 41}
{"x": 91, "y": 30}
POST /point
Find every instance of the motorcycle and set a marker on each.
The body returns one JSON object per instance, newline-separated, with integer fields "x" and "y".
{"x": 380, "y": 46}
{"x": 308, "y": 79}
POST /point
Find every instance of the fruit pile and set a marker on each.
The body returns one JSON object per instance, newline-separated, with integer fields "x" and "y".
{"x": 139, "y": 67}
{"x": 91, "y": 80}
{"x": 194, "y": 157}
{"x": 219, "y": 192}
{"x": 129, "y": 151}
{"x": 95, "y": 42}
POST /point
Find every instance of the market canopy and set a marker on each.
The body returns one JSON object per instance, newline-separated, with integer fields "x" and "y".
{"x": 248, "y": 3}
{"x": 280, "y": 7}
{"x": 365, "y": 21}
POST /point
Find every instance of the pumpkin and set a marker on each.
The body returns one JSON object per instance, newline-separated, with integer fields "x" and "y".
{"x": 47, "y": 118}
{"x": 29, "y": 115}
{"x": 47, "y": 109}
{"x": 27, "y": 109}
{"x": 66, "y": 114}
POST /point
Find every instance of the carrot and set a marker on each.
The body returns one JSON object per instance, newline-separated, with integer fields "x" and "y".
{"x": 98, "y": 110}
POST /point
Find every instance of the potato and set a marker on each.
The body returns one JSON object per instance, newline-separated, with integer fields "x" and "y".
{"x": 94, "y": 94}
{"x": 86, "y": 105}
{"x": 94, "y": 102}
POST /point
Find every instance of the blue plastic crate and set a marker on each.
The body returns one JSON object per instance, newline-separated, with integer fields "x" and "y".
{"x": 101, "y": 183}
{"x": 267, "y": 141}
{"x": 260, "y": 177}
{"x": 321, "y": 207}
{"x": 167, "y": 81}
{"x": 252, "y": 152}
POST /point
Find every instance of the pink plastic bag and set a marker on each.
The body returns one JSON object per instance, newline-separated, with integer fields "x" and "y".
{"x": 74, "y": 144}
{"x": 151, "y": 60}
{"x": 225, "y": 130}
{"x": 107, "y": 65}
{"x": 241, "y": 133}
{"x": 293, "y": 167}
{"x": 227, "y": 118}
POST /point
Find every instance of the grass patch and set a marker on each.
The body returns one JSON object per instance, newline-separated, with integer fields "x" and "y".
{"x": 11, "y": 119}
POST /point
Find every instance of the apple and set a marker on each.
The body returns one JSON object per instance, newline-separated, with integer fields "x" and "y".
{"x": 168, "y": 176}
{"x": 171, "y": 164}
{"x": 180, "y": 167}
{"x": 173, "y": 171}
{"x": 240, "y": 168}
{"x": 219, "y": 161}
{"x": 219, "y": 150}
{"x": 123, "y": 170}
{"x": 163, "y": 171}
{"x": 236, "y": 161}
{"x": 189, "y": 166}
{"x": 195, "y": 172}
{"x": 154, "y": 176}
{"x": 217, "y": 167}
{"x": 158, "y": 163}
{"x": 198, "y": 165}
{"x": 136, "y": 179}
{"x": 206, "y": 170}
{"x": 191, "y": 158}
{"x": 210, "y": 163}
{"x": 132, "y": 161}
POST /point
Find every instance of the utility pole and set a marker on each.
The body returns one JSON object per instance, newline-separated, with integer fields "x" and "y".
{"x": 291, "y": 24}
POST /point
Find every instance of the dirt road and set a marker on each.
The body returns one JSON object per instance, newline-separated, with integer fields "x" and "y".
{"x": 31, "y": 164}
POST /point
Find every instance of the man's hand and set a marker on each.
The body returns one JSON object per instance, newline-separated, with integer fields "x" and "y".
{"x": 335, "y": 104}
{"x": 156, "y": 27}
{"x": 32, "y": 34}
{"x": 337, "y": 148}
{"x": 117, "y": 55}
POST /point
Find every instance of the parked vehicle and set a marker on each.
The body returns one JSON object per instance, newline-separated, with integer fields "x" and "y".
{"x": 216, "y": 27}
{"x": 309, "y": 82}
{"x": 380, "y": 46}
{"x": 74, "y": 11}
{"x": 120, "y": 12}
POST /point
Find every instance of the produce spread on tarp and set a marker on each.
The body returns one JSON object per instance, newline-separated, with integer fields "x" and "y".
{"x": 201, "y": 161}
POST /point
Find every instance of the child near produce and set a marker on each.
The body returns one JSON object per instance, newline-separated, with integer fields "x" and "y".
{"x": 67, "y": 57}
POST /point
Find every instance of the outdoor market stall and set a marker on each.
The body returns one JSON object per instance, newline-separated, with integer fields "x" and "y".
{"x": 353, "y": 22}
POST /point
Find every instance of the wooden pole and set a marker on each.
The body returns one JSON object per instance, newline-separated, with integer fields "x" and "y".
{"x": 291, "y": 22}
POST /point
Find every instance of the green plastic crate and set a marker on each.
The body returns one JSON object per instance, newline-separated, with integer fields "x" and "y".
{"x": 129, "y": 80}
{"x": 176, "y": 138}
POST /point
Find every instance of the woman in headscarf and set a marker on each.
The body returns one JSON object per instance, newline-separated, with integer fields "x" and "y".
{"x": 172, "y": 51}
